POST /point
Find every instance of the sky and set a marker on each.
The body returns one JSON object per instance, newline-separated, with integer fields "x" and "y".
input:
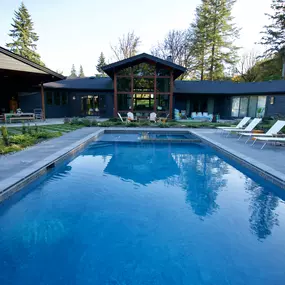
{"x": 75, "y": 32}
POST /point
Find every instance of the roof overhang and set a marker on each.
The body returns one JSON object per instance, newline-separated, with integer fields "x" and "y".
{"x": 140, "y": 58}
{"x": 11, "y": 63}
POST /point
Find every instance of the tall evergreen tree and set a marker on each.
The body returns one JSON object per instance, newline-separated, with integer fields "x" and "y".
{"x": 73, "y": 73}
{"x": 23, "y": 36}
{"x": 81, "y": 72}
{"x": 274, "y": 33}
{"x": 200, "y": 45}
{"x": 100, "y": 64}
{"x": 214, "y": 35}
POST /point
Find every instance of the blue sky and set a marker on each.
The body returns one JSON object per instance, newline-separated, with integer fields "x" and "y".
{"x": 76, "y": 32}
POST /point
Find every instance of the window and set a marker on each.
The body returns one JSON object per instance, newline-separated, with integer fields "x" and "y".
{"x": 49, "y": 98}
{"x": 144, "y": 69}
{"x": 124, "y": 84}
{"x": 143, "y": 102}
{"x": 235, "y": 106}
{"x": 261, "y": 104}
{"x": 125, "y": 71}
{"x": 243, "y": 106}
{"x": 163, "y": 84}
{"x": 64, "y": 98}
{"x": 124, "y": 101}
{"x": 162, "y": 102}
{"x": 56, "y": 98}
{"x": 144, "y": 84}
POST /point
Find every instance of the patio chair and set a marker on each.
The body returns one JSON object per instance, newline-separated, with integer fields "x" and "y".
{"x": 267, "y": 140}
{"x": 120, "y": 117}
{"x": 274, "y": 130}
{"x": 240, "y": 125}
{"x": 183, "y": 114}
{"x": 193, "y": 115}
{"x": 131, "y": 117}
{"x": 152, "y": 117}
{"x": 248, "y": 129}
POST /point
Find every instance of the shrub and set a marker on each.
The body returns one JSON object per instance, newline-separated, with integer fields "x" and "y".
{"x": 5, "y": 136}
{"x": 144, "y": 123}
{"x": 11, "y": 148}
{"x": 36, "y": 128}
{"x": 24, "y": 129}
{"x": 46, "y": 135}
{"x": 163, "y": 126}
{"x": 22, "y": 140}
{"x": 86, "y": 122}
{"x": 115, "y": 120}
{"x": 75, "y": 121}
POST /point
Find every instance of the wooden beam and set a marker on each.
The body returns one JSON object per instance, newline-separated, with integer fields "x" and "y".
{"x": 115, "y": 96}
{"x": 171, "y": 96}
{"x": 154, "y": 94}
{"x": 43, "y": 102}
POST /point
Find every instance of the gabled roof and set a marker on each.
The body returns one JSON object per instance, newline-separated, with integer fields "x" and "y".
{"x": 19, "y": 63}
{"x": 229, "y": 87}
{"x": 143, "y": 57}
{"x": 86, "y": 83}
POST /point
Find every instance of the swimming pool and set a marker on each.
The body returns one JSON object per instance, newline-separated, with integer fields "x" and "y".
{"x": 122, "y": 213}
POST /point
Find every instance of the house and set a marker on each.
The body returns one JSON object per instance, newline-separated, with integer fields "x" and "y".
{"x": 144, "y": 84}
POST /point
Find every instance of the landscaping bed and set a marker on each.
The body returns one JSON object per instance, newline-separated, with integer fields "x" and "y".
{"x": 17, "y": 138}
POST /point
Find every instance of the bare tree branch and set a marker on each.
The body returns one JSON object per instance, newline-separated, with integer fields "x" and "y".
{"x": 127, "y": 46}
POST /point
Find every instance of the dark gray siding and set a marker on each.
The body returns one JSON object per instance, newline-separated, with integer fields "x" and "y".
{"x": 30, "y": 101}
{"x": 277, "y": 108}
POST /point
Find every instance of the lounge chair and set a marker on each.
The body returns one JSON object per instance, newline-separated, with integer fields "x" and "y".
{"x": 183, "y": 114}
{"x": 240, "y": 125}
{"x": 152, "y": 117}
{"x": 267, "y": 140}
{"x": 274, "y": 130}
{"x": 248, "y": 129}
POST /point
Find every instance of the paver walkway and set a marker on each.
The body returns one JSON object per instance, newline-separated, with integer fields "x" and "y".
{"x": 12, "y": 164}
{"x": 270, "y": 157}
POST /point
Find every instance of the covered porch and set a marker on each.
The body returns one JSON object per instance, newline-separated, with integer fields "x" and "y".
{"x": 17, "y": 74}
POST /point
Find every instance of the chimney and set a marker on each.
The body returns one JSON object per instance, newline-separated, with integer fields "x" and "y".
{"x": 169, "y": 58}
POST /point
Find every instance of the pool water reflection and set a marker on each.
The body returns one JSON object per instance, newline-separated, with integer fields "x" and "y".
{"x": 123, "y": 213}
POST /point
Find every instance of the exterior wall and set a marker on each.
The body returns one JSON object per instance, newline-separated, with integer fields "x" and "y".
{"x": 30, "y": 101}
{"x": 278, "y": 107}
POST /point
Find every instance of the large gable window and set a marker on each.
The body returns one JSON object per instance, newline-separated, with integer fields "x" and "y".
{"x": 144, "y": 88}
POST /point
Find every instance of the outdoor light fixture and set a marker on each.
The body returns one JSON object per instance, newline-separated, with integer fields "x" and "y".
{"x": 73, "y": 98}
{"x": 272, "y": 100}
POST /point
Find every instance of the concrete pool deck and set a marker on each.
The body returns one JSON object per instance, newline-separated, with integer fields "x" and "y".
{"x": 19, "y": 166}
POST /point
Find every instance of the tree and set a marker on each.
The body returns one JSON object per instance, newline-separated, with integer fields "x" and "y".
{"x": 81, "y": 72}
{"x": 247, "y": 67}
{"x": 274, "y": 33}
{"x": 100, "y": 64}
{"x": 201, "y": 39}
{"x": 23, "y": 36}
{"x": 127, "y": 46}
{"x": 213, "y": 40}
{"x": 176, "y": 44}
{"x": 73, "y": 73}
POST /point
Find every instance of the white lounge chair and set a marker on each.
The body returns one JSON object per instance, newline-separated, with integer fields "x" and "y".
{"x": 193, "y": 115}
{"x": 267, "y": 140}
{"x": 152, "y": 117}
{"x": 274, "y": 130}
{"x": 248, "y": 129}
{"x": 240, "y": 125}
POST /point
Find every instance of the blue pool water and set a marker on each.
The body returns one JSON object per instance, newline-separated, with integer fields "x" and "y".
{"x": 144, "y": 214}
